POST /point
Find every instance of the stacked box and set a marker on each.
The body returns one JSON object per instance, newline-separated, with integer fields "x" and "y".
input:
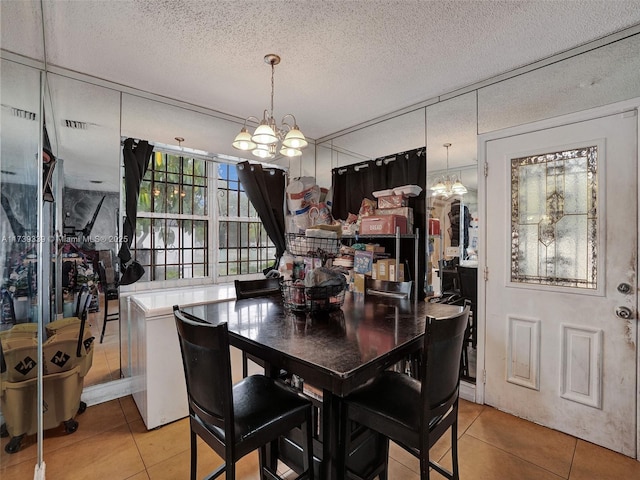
{"x": 386, "y": 270}
{"x": 363, "y": 262}
{"x": 404, "y": 211}
{"x": 359, "y": 282}
{"x": 383, "y": 225}
{"x": 374, "y": 247}
{"x": 392, "y": 201}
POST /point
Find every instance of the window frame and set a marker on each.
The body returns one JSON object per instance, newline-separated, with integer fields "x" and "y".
{"x": 213, "y": 218}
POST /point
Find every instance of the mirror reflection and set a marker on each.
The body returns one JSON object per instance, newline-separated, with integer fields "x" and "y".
{"x": 18, "y": 215}
{"x": 86, "y": 119}
{"x": 449, "y": 131}
{"x": 20, "y": 240}
{"x": 453, "y": 210}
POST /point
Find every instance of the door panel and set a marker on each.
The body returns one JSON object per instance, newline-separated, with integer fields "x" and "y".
{"x": 562, "y": 223}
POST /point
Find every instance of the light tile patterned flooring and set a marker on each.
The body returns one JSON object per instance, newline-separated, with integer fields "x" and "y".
{"x": 112, "y": 443}
{"x": 106, "y": 355}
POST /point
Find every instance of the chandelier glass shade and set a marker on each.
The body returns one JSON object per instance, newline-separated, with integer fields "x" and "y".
{"x": 447, "y": 185}
{"x": 269, "y": 138}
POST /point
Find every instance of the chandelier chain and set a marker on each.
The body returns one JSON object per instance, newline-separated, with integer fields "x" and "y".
{"x": 273, "y": 71}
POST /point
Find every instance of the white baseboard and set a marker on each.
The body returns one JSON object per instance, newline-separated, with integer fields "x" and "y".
{"x": 105, "y": 392}
{"x": 468, "y": 391}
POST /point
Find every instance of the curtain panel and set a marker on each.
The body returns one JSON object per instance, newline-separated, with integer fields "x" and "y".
{"x": 265, "y": 188}
{"x": 136, "y": 162}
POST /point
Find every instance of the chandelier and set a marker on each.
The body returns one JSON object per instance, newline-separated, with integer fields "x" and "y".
{"x": 268, "y": 138}
{"x": 448, "y": 185}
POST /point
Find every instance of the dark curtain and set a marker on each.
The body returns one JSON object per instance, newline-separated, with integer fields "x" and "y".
{"x": 354, "y": 182}
{"x": 265, "y": 189}
{"x": 136, "y": 162}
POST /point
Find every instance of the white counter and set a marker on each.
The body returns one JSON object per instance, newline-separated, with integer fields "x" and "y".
{"x": 161, "y": 302}
{"x": 156, "y": 365}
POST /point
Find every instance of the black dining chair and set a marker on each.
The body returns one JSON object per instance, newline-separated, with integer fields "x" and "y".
{"x": 235, "y": 420}
{"x": 82, "y": 302}
{"x": 415, "y": 413}
{"x": 263, "y": 287}
{"x": 110, "y": 293}
{"x": 468, "y": 281}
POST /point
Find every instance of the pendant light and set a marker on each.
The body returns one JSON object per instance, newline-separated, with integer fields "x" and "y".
{"x": 448, "y": 185}
{"x": 269, "y": 138}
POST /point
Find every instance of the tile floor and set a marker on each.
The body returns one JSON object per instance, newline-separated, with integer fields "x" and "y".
{"x": 106, "y": 355}
{"x": 112, "y": 443}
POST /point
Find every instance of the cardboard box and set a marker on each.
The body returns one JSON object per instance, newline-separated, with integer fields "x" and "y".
{"x": 383, "y": 225}
{"x": 382, "y": 269}
{"x": 362, "y": 262}
{"x": 404, "y": 211}
{"x": 392, "y": 201}
{"x": 393, "y": 277}
{"x": 358, "y": 282}
{"x": 386, "y": 270}
{"x": 374, "y": 247}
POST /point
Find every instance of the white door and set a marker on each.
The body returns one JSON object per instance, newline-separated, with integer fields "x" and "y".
{"x": 561, "y": 280}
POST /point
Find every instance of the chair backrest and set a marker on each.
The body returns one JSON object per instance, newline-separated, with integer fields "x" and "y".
{"x": 82, "y": 302}
{"x": 106, "y": 258}
{"x": 207, "y": 369}
{"x": 102, "y": 275}
{"x": 386, "y": 288}
{"x": 257, "y": 288}
{"x": 440, "y": 376}
{"x": 468, "y": 282}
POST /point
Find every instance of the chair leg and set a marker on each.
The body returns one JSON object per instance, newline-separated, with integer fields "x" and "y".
{"x": 262, "y": 460}
{"x": 384, "y": 474}
{"x": 104, "y": 320}
{"x": 424, "y": 469}
{"x": 307, "y": 430}
{"x": 464, "y": 367}
{"x": 245, "y": 366}
{"x": 230, "y": 472}
{"x": 194, "y": 455}
{"x": 454, "y": 450}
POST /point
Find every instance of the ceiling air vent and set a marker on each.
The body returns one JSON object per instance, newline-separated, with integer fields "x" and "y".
{"x": 26, "y": 114}
{"x": 75, "y": 124}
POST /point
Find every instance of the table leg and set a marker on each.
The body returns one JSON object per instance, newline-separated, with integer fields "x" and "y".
{"x": 272, "y": 448}
{"x": 333, "y": 445}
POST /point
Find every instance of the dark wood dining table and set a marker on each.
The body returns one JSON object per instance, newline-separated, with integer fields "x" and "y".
{"x": 333, "y": 354}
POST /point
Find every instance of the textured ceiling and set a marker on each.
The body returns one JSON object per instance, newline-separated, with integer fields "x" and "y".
{"x": 343, "y": 62}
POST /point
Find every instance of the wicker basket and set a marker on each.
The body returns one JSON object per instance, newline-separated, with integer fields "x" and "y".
{"x": 299, "y": 244}
{"x": 298, "y": 298}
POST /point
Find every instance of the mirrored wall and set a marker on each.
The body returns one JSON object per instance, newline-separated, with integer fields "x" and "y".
{"x": 23, "y": 270}
{"x": 453, "y": 122}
